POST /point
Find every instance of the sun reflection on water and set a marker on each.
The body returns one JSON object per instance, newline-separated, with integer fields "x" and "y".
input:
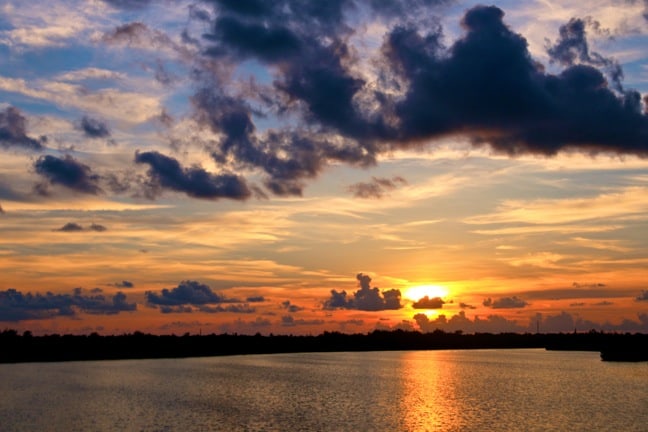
{"x": 428, "y": 400}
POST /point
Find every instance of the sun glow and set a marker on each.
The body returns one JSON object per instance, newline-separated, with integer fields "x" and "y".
{"x": 417, "y": 292}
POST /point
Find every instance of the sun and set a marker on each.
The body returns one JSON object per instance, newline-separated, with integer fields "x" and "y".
{"x": 417, "y": 292}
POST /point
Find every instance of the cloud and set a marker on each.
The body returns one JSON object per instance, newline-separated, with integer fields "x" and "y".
{"x": 97, "y": 227}
{"x": 290, "y": 307}
{"x": 429, "y": 303}
{"x": 166, "y": 173}
{"x": 572, "y": 48}
{"x": 129, "y": 4}
{"x": 75, "y": 227}
{"x": 487, "y": 84}
{"x": 466, "y": 306}
{"x": 557, "y": 323}
{"x": 505, "y": 303}
{"x": 16, "y": 306}
{"x": 366, "y": 298}
{"x": 233, "y": 308}
{"x": 13, "y": 131}
{"x": 490, "y": 324}
{"x": 68, "y": 172}
{"x": 93, "y": 128}
{"x": 290, "y": 321}
{"x": 376, "y": 188}
{"x": 255, "y": 299}
{"x": 565, "y": 322}
{"x": 70, "y": 227}
{"x": 643, "y": 296}
{"x": 124, "y": 284}
{"x": 187, "y": 292}
{"x": 603, "y": 303}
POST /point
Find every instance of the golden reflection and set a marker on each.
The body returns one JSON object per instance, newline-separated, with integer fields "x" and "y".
{"x": 428, "y": 401}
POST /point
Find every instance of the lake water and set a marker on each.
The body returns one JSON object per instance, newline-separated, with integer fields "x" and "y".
{"x": 481, "y": 390}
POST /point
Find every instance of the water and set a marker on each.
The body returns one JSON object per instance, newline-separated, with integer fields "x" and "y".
{"x": 487, "y": 390}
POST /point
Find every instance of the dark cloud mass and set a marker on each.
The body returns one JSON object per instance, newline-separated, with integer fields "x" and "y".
{"x": 366, "y": 298}
{"x": 643, "y": 296}
{"x": 94, "y": 128}
{"x": 190, "y": 296}
{"x": 187, "y": 292}
{"x": 16, "y": 306}
{"x": 485, "y": 85}
{"x": 71, "y": 227}
{"x": 429, "y": 303}
{"x": 75, "y": 227}
{"x": 505, "y": 303}
{"x": 68, "y": 172}
{"x": 13, "y": 131}
{"x": 166, "y": 173}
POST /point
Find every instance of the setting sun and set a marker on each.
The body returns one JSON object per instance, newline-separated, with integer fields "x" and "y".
{"x": 417, "y": 292}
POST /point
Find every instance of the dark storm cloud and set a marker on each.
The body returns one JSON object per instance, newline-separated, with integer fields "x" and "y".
{"x": 68, "y": 172}
{"x": 186, "y": 293}
{"x": 13, "y": 131}
{"x": 366, "y": 298}
{"x": 643, "y": 296}
{"x": 487, "y": 85}
{"x": 376, "y": 188}
{"x": 93, "y": 128}
{"x": 505, "y": 303}
{"x": 166, "y": 173}
{"x": 429, "y": 303}
{"x": 286, "y": 156}
{"x": 16, "y": 306}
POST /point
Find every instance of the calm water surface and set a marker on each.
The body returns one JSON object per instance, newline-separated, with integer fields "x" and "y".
{"x": 486, "y": 390}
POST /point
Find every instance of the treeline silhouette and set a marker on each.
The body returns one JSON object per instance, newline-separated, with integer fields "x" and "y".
{"x": 25, "y": 347}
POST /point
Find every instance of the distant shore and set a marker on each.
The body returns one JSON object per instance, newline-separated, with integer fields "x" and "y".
{"x": 18, "y": 348}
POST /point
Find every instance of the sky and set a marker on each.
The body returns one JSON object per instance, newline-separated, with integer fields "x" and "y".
{"x": 295, "y": 166}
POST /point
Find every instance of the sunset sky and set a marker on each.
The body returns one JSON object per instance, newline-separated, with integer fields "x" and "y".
{"x": 298, "y": 166}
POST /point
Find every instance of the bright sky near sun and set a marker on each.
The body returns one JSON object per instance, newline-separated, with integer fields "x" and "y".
{"x": 298, "y": 166}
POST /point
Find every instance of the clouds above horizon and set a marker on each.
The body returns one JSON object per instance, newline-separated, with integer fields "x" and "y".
{"x": 270, "y": 149}
{"x": 18, "y": 306}
{"x": 192, "y": 295}
{"x": 366, "y": 298}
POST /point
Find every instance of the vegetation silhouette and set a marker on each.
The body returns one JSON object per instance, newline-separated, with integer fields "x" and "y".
{"x": 15, "y": 347}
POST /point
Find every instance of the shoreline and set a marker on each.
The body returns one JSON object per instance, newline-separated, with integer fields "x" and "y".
{"x": 15, "y": 348}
